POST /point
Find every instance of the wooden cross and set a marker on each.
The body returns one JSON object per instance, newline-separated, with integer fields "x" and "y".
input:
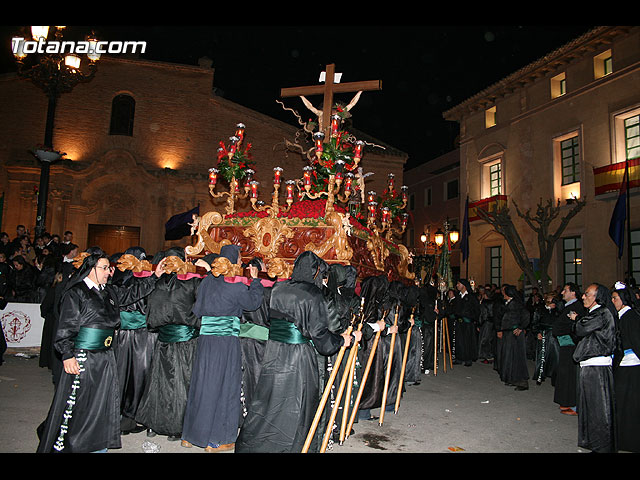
{"x": 328, "y": 89}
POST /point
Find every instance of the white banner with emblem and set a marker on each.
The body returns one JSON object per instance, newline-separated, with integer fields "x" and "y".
{"x": 22, "y": 324}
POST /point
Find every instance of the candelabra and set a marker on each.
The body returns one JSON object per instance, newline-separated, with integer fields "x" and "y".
{"x": 275, "y": 208}
{"x": 390, "y": 210}
{"x": 232, "y": 165}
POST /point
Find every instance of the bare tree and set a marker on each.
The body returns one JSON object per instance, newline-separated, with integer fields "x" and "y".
{"x": 540, "y": 223}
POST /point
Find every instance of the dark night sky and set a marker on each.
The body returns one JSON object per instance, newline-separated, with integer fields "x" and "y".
{"x": 425, "y": 69}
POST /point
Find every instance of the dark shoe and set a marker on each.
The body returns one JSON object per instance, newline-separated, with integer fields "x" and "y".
{"x": 138, "y": 429}
{"x": 467, "y": 364}
{"x": 372, "y": 417}
{"x": 521, "y": 388}
{"x": 150, "y": 433}
{"x": 173, "y": 438}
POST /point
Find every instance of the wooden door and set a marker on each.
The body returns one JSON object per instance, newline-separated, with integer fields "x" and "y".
{"x": 113, "y": 238}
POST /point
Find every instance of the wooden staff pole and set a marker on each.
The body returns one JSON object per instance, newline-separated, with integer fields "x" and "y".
{"x": 404, "y": 364}
{"x": 325, "y": 396}
{"x": 435, "y": 347}
{"x": 352, "y": 368}
{"x": 387, "y": 377}
{"x": 363, "y": 382}
{"x": 448, "y": 345}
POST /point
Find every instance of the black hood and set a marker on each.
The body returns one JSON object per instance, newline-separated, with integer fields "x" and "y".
{"x": 309, "y": 268}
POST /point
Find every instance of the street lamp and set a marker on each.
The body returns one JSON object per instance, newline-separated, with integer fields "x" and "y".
{"x": 55, "y": 73}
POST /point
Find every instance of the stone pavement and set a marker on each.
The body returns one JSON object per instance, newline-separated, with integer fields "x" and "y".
{"x": 462, "y": 410}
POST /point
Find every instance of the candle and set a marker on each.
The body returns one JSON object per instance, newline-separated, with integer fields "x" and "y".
{"x": 405, "y": 218}
{"x": 254, "y": 189}
{"x": 386, "y": 214}
{"x": 249, "y": 176}
{"x": 240, "y": 131}
{"x": 404, "y": 189}
{"x": 290, "y": 184}
{"x": 391, "y": 176}
{"x": 339, "y": 169}
{"x": 213, "y": 176}
{"x": 335, "y": 123}
{"x": 347, "y": 182}
{"x": 358, "y": 149}
{"x": 307, "y": 175}
{"x": 371, "y": 196}
{"x": 234, "y": 144}
{"x": 318, "y": 137}
{"x": 277, "y": 171}
{"x": 372, "y": 209}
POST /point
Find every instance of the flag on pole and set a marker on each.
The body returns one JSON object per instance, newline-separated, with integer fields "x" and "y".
{"x": 464, "y": 244}
{"x": 178, "y": 225}
{"x": 619, "y": 216}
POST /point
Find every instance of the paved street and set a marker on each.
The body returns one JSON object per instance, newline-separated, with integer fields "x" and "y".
{"x": 462, "y": 410}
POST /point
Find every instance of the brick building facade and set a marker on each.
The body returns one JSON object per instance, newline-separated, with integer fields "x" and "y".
{"x": 128, "y": 184}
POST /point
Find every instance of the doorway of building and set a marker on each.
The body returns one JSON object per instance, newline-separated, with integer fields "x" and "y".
{"x": 113, "y": 238}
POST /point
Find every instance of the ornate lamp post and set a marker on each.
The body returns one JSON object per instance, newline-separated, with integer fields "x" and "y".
{"x": 55, "y": 73}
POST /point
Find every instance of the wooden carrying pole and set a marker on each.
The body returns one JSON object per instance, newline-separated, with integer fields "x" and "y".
{"x": 363, "y": 382}
{"x": 325, "y": 396}
{"x": 387, "y": 377}
{"x": 404, "y": 364}
{"x": 352, "y": 369}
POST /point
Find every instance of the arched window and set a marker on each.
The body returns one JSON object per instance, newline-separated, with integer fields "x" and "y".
{"x": 122, "y": 113}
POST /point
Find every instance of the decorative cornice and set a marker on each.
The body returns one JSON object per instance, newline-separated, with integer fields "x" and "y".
{"x": 559, "y": 58}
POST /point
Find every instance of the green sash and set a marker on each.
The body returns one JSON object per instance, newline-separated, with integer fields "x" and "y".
{"x": 132, "y": 320}
{"x": 223, "y": 326}
{"x": 93, "y": 338}
{"x": 176, "y": 333}
{"x": 251, "y": 330}
{"x": 286, "y": 332}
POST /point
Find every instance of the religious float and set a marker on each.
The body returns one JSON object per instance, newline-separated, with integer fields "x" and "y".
{"x": 326, "y": 211}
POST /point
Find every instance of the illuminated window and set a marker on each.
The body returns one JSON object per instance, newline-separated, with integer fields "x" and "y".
{"x": 632, "y": 137}
{"x": 570, "y": 160}
{"x": 490, "y": 117}
{"x": 558, "y": 85}
{"x": 495, "y": 179}
{"x": 602, "y": 64}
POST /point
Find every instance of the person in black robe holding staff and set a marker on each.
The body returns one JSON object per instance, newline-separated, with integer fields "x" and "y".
{"x": 287, "y": 395}
{"x": 85, "y": 412}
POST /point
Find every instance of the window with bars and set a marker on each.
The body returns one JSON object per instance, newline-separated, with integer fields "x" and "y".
{"x": 495, "y": 265}
{"x": 632, "y": 137}
{"x": 495, "y": 179}
{"x": 570, "y": 158}
{"x": 572, "y": 260}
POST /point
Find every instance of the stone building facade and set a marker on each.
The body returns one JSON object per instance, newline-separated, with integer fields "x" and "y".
{"x": 560, "y": 128}
{"x": 120, "y": 187}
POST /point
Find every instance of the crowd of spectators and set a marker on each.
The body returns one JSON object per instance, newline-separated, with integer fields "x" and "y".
{"x": 28, "y": 267}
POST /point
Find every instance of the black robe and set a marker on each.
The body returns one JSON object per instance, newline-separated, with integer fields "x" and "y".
{"x": 133, "y": 347}
{"x": 547, "y": 348}
{"x": 428, "y": 296}
{"x": 254, "y": 331}
{"x": 514, "y": 369}
{"x": 287, "y": 395}
{"x": 627, "y": 384}
{"x": 95, "y": 417}
{"x": 596, "y": 397}
{"x": 486, "y": 331}
{"x": 170, "y": 313}
{"x": 466, "y": 311}
{"x": 566, "y": 382}
{"x": 213, "y": 405}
